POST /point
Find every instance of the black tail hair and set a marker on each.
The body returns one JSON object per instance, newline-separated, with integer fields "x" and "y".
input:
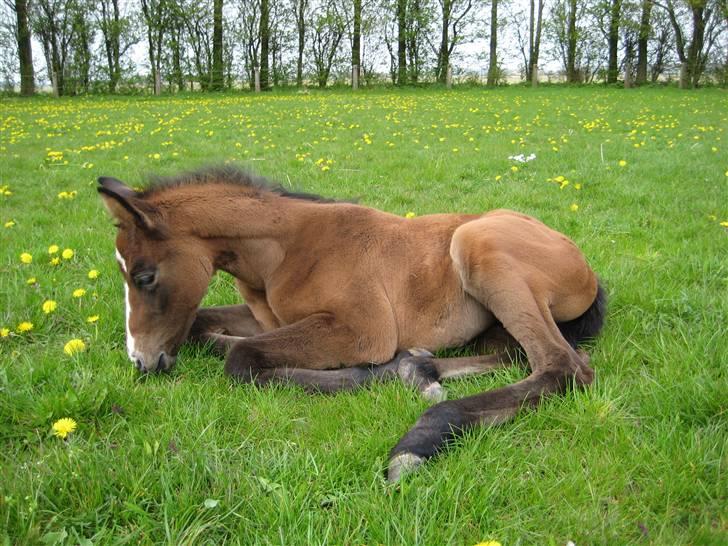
{"x": 589, "y": 324}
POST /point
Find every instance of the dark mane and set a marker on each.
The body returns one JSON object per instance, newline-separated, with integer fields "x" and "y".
{"x": 226, "y": 175}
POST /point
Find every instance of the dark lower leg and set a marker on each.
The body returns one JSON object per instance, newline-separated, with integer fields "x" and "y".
{"x": 444, "y": 421}
{"x": 326, "y": 381}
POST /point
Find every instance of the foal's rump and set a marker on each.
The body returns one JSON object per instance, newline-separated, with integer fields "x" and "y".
{"x": 505, "y": 253}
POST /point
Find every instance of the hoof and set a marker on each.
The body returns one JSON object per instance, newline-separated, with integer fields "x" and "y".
{"x": 416, "y": 351}
{"x": 434, "y": 393}
{"x": 407, "y": 371}
{"x": 401, "y": 464}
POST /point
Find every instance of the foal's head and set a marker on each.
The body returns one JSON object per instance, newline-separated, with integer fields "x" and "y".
{"x": 166, "y": 273}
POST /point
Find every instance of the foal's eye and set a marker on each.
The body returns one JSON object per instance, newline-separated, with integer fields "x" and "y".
{"x": 145, "y": 279}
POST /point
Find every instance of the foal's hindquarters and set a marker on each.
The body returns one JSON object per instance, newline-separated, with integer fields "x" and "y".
{"x": 531, "y": 278}
{"x": 513, "y": 276}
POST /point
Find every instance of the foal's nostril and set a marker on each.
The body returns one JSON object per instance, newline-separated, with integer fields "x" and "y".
{"x": 138, "y": 364}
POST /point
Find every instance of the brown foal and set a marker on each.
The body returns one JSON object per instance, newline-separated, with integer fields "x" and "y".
{"x": 338, "y": 295}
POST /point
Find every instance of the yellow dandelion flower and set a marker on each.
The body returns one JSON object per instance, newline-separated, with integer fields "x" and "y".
{"x": 93, "y": 274}
{"x": 514, "y": 169}
{"x": 55, "y": 261}
{"x": 24, "y": 327}
{"x": 9, "y": 224}
{"x": 79, "y": 292}
{"x": 26, "y": 258}
{"x": 622, "y": 163}
{"x": 92, "y": 318}
{"x": 67, "y": 254}
{"x": 577, "y": 186}
{"x": 559, "y": 179}
{"x": 49, "y": 306}
{"x": 74, "y": 346}
{"x": 31, "y": 280}
{"x": 489, "y": 543}
{"x": 574, "y": 207}
{"x": 498, "y": 177}
{"x": 63, "y": 427}
{"x": 724, "y": 224}
{"x": 410, "y": 214}
{"x": 53, "y": 249}
{"x": 4, "y": 332}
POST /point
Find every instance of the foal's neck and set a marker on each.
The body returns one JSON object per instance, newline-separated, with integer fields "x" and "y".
{"x": 245, "y": 231}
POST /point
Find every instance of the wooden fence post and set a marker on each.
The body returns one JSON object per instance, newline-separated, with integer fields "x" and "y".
{"x": 256, "y": 72}
{"x": 355, "y": 76}
{"x": 628, "y": 74}
{"x": 448, "y": 80}
{"x": 534, "y": 75}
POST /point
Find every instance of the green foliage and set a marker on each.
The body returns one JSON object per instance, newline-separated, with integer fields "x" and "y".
{"x": 188, "y": 457}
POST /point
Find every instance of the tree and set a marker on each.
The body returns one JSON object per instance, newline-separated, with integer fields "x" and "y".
{"x": 300, "y": 10}
{"x": 571, "y": 41}
{"x": 493, "y": 54}
{"x": 642, "y": 42}
{"x": 615, "y": 8}
{"x": 534, "y": 37}
{"x": 264, "y": 43}
{"x": 117, "y": 35}
{"x": 156, "y": 15}
{"x": 25, "y": 51}
{"x": 708, "y": 22}
{"x": 401, "y": 42}
{"x": 453, "y": 12}
{"x": 356, "y": 36}
{"x": 217, "y": 49}
{"x": 52, "y": 23}
{"x": 327, "y": 31}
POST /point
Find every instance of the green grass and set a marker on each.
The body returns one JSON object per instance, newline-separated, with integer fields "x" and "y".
{"x": 640, "y": 457}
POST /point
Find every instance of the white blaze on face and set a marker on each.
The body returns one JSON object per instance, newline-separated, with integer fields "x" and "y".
{"x": 130, "y": 348}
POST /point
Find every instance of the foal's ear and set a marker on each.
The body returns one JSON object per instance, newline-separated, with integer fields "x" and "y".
{"x": 124, "y": 204}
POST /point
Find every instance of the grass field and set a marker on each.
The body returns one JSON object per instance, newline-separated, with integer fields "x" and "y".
{"x": 638, "y": 178}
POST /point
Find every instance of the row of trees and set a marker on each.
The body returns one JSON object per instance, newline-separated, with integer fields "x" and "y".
{"x": 215, "y": 44}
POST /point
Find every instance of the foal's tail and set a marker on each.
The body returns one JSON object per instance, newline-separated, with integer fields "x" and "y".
{"x": 589, "y": 324}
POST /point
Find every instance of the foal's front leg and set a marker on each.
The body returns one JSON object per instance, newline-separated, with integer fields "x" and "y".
{"x": 222, "y": 326}
{"x": 317, "y": 342}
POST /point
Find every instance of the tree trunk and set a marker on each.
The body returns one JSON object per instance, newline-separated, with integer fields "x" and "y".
{"x": 264, "y": 43}
{"x": 534, "y": 37}
{"x": 443, "y": 55}
{"x": 493, "y": 61}
{"x": 177, "y": 59}
{"x": 217, "y": 64}
{"x": 356, "y": 38}
{"x": 696, "y": 46}
{"x": 401, "y": 42}
{"x": 301, "y": 27}
{"x": 571, "y": 40}
{"x": 25, "y": 51}
{"x": 642, "y": 40}
{"x": 613, "y": 41}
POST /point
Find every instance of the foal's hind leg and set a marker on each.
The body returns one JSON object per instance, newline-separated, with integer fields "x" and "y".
{"x": 553, "y": 362}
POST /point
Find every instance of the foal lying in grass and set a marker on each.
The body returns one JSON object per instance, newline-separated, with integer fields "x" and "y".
{"x": 339, "y": 294}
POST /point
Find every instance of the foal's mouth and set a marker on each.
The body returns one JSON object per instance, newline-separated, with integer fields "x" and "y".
{"x": 163, "y": 363}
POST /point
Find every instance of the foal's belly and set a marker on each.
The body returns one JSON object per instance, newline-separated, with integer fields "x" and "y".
{"x": 452, "y": 324}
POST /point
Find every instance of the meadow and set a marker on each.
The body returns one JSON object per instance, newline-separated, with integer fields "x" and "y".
{"x": 637, "y": 178}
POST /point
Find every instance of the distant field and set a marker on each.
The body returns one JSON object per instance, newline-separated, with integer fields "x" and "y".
{"x": 638, "y": 178}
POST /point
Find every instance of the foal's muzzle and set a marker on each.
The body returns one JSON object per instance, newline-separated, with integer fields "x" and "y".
{"x": 150, "y": 363}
